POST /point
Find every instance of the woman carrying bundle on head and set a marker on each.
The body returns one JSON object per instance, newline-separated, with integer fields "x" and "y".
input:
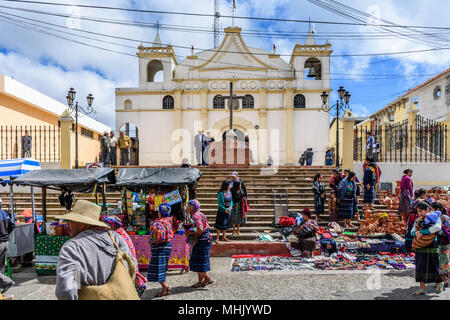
{"x": 197, "y": 229}
{"x": 161, "y": 233}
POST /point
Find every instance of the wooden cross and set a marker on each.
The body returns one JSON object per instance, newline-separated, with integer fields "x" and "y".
{"x": 231, "y": 106}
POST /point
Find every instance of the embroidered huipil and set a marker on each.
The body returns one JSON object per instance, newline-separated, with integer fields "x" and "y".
{"x": 201, "y": 223}
{"x": 161, "y": 231}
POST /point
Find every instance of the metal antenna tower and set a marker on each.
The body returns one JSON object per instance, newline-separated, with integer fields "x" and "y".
{"x": 216, "y": 24}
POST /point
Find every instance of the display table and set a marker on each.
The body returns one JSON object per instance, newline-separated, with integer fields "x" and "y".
{"x": 21, "y": 240}
{"x": 47, "y": 251}
{"x": 179, "y": 258}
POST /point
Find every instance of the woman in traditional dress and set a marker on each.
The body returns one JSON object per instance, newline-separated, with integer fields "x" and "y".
{"x": 406, "y": 193}
{"x": 419, "y": 196}
{"x": 225, "y": 205}
{"x": 199, "y": 235}
{"x": 444, "y": 243}
{"x": 161, "y": 233}
{"x": 319, "y": 195}
{"x": 347, "y": 198}
{"x": 237, "y": 213}
{"x": 306, "y": 233}
{"x": 116, "y": 224}
{"x": 329, "y": 158}
{"x": 426, "y": 249}
{"x": 369, "y": 181}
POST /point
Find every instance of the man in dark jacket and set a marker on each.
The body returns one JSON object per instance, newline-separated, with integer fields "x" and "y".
{"x": 7, "y": 225}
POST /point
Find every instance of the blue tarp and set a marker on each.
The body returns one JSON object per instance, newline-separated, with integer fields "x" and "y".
{"x": 15, "y": 168}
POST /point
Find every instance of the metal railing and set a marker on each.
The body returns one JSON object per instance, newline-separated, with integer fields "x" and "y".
{"x": 423, "y": 140}
{"x": 45, "y": 142}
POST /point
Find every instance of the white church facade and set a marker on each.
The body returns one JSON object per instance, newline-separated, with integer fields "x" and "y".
{"x": 281, "y": 112}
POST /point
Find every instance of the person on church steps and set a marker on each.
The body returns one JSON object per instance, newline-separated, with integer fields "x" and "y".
{"x": 369, "y": 180}
{"x": 201, "y": 237}
{"x": 336, "y": 178}
{"x": 329, "y": 158}
{"x": 237, "y": 213}
{"x": 426, "y": 250}
{"x": 406, "y": 193}
{"x": 124, "y": 144}
{"x": 319, "y": 196}
{"x": 225, "y": 205}
{"x": 161, "y": 234}
{"x": 346, "y": 199}
{"x": 419, "y": 196}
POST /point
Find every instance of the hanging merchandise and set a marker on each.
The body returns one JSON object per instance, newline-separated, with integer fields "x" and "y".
{"x": 172, "y": 198}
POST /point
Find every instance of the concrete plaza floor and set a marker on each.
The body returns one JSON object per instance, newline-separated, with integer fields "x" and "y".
{"x": 265, "y": 285}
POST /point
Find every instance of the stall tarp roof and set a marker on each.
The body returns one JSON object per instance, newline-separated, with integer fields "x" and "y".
{"x": 72, "y": 179}
{"x": 16, "y": 167}
{"x": 157, "y": 176}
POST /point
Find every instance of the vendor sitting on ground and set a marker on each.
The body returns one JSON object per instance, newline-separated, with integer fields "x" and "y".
{"x": 306, "y": 233}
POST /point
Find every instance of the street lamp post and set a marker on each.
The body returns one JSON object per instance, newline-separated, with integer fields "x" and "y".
{"x": 341, "y": 105}
{"x": 74, "y": 110}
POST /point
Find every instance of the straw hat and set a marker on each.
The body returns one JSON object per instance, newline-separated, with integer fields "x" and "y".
{"x": 85, "y": 212}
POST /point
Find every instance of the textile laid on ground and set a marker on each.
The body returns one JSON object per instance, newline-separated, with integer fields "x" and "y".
{"x": 337, "y": 261}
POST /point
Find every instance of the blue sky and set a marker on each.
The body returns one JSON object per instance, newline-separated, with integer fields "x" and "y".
{"x": 53, "y": 65}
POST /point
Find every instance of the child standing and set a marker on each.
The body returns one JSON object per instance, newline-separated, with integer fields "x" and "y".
{"x": 332, "y": 207}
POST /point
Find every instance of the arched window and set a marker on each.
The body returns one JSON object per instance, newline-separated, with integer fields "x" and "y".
{"x": 248, "y": 102}
{"x": 218, "y": 102}
{"x": 153, "y": 67}
{"x": 128, "y": 104}
{"x": 313, "y": 69}
{"x": 168, "y": 102}
{"x": 299, "y": 101}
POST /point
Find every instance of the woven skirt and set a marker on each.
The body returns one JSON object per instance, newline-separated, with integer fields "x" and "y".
{"x": 158, "y": 262}
{"x": 427, "y": 264}
{"x": 199, "y": 261}
{"x": 403, "y": 206}
{"x": 307, "y": 244}
{"x": 319, "y": 204}
{"x": 237, "y": 216}
{"x": 369, "y": 195}
{"x": 408, "y": 238}
{"x": 222, "y": 220}
{"x": 346, "y": 207}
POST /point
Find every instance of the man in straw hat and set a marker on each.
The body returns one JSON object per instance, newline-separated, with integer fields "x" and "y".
{"x": 88, "y": 258}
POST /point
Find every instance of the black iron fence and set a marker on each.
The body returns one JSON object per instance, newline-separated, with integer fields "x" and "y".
{"x": 423, "y": 140}
{"x": 45, "y": 143}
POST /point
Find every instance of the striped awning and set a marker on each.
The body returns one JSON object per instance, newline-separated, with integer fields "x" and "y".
{"x": 15, "y": 168}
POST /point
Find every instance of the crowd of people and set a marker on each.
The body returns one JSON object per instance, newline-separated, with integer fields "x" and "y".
{"x": 108, "y": 146}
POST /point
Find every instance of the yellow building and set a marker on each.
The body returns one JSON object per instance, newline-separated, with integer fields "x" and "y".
{"x": 23, "y": 108}
{"x": 349, "y": 116}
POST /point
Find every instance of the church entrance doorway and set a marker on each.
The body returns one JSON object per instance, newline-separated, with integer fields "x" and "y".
{"x": 132, "y": 131}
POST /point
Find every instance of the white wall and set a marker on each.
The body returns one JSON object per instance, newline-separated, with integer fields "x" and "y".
{"x": 431, "y": 174}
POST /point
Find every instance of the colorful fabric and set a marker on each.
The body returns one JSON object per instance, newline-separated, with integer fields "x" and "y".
{"x": 444, "y": 259}
{"x": 225, "y": 201}
{"x": 408, "y": 238}
{"x": 406, "y": 184}
{"x": 114, "y": 221}
{"x": 199, "y": 224}
{"x": 161, "y": 231}
{"x": 347, "y": 195}
{"x": 165, "y": 209}
{"x": 199, "y": 261}
{"x": 237, "y": 214}
{"x": 195, "y": 204}
{"x": 127, "y": 239}
{"x": 158, "y": 200}
{"x": 158, "y": 263}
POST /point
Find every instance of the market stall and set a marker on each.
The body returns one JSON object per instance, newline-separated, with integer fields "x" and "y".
{"x": 22, "y": 240}
{"x": 54, "y": 232}
{"x": 143, "y": 190}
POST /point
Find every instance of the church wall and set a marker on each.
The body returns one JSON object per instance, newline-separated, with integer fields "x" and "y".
{"x": 276, "y": 126}
{"x": 275, "y": 100}
{"x": 311, "y": 130}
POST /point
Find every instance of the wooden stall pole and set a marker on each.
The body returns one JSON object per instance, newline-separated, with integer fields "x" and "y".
{"x": 104, "y": 197}
{"x": 44, "y": 210}
{"x": 32, "y": 205}
{"x": 11, "y": 201}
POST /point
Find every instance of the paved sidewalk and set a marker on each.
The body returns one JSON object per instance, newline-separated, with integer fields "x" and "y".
{"x": 267, "y": 285}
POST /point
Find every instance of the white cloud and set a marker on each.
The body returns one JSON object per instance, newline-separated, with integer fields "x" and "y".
{"x": 92, "y": 70}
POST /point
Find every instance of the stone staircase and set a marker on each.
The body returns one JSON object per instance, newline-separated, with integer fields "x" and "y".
{"x": 259, "y": 182}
